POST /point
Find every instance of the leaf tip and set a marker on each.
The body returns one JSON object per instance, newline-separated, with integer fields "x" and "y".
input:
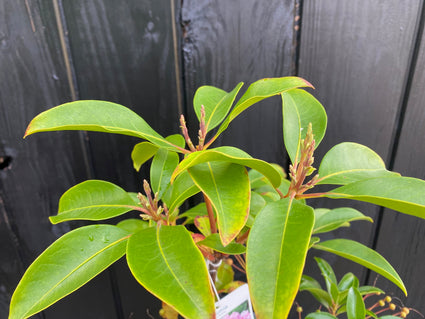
{"x": 28, "y": 131}
{"x": 309, "y": 84}
{"x": 53, "y": 220}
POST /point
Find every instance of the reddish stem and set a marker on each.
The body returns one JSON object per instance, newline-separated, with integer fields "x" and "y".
{"x": 210, "y": 214}
{"x": 314, "y": 195}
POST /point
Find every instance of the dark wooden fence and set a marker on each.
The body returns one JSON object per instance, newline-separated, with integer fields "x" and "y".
{"x": 365, "y": 58}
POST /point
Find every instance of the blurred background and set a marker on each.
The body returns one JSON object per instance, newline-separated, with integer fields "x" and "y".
{"x": 365, "y": 58}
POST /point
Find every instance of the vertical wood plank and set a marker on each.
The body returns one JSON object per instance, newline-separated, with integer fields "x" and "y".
{"x": 401, "y": 236}
{"x": 35, "y": 172}
{"x": 245, "y": 40}
{"x": 124, "y": 52}
{"x": 356, "y": 54}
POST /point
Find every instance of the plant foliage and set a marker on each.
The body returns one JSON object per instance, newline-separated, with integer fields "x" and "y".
{"x": 252, "y": 210}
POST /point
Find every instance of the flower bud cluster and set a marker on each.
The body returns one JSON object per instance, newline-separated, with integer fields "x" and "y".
{"x": 151, "y": 210}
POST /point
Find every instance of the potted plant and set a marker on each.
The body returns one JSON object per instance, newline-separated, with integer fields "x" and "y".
{"x": 251, "y": 211}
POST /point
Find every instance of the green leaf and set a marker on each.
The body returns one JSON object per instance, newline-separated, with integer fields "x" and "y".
{"x": 142, "y": 152}
{"x": 163, "y": 165}
{"x": 166, "y": 261}
{"x": 355, "y": 305}
{"x": 203, "y": 225}
{"x": 326, "y": 269}
{"x": 348, "y": 281}
{"x": 373, "y": 315}
{"x": 320, "y": 315}
{"x": 99, "y": 116}
{"x": 227, "y": 187}
{"x": 133, "y": 225}
{"x": 213, "y": 241}
{"x": 362, "y": 255}
{"x": 261, "y": 90}
{"x": 403, "y": 194}
{"x": 66, "y": 265}
{"x": 192, "y": 213}
{"x": 257, "y": 203}
{"x": 217, "y": 104}
{"x": 308, "y": 282}
{"x": 365, "y": 290}
{"x": 351, "y": 162}
{"x": 276, "y": 251}
{"x": 182, "y": 188}
{"x": 299, "y": 109}
{"x": 313, "y": 241}
{"x": 93, "y": 200}
{"x": 312, "y": 286}
{"x": 225, "y": 275}
{"x": 332, "y": 219}
{"x": 230, "y": 155}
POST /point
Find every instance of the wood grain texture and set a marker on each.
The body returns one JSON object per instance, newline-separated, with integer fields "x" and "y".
{"x": 123, "y": 52}
{"x": 401, "y": 236}
{"x": 228, "y": 42}
{"x": 42, "y": 167}
{"x": 356, "y": 54}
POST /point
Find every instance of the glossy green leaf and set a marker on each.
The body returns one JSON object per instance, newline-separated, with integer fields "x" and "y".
{"x": 330, "y": 278}
{"x": 372, "y": 314}
{"x": 348, "y": 281}
{"x": 403, "y": 194}
{"x": 308, "y": 282}
{"x": 203, "y": 225}
{"x": 135, "y": 197}
{"x": 257, "y": 203}
{"x": 166, "y": 261}
{"x": 198, "y": 210}
{"x": 320, "y": 315}
{"x": 355, "y": 306}
{"x": 93, "y": 200}
{"x": 133, "y": 225}
{"x": 261, "y": 90}
{"x": 276, "y": 251}
{"x": 365, "y": 290}
{"x": 213, "y": 241}
{"x": 351, "y": 162}
{"x": 313, "y": 241}
{"x": 312, "y": 286}
{"x": 230, "y": 155}
{"x": 163, "y": 165}
{"x": 67, "y": 264}
{"x": 326, "y": 269}
{"x": 257, "y": 179}
{"x": 299, "y": 109}
{"x": 332, "y": 219}
{"x": 362, "y": 255}
{"x": 225, "y": 276}
{"x": 182, "y": 188}
{"x": 99, "y": 116}
{"x": 227, "y": 187}
{"x": 142, "y": 152}
{"x": 217, "y": 104}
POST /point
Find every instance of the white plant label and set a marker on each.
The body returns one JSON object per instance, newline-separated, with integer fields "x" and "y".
{"x": 236, "y": 305}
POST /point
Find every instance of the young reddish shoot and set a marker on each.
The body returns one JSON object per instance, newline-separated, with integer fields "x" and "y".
{"x": 303, "y": 168}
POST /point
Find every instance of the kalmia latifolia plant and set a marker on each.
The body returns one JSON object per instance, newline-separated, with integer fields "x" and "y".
{"x": 251, "y": 211}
